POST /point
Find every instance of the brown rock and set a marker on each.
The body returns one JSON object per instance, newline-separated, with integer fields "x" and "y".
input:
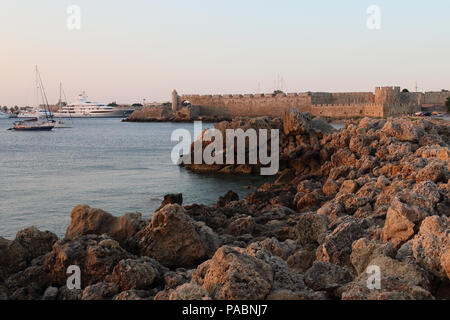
{"x": 295, "y": 123}
{"x": 435, "y": 171}
{"x": 189, "y": 291}
{"x": 330, "y": 188}
{"x": 431, "y": 246}
{"x": 241, "y": 226}
{"x": 135, "y": 274}
{"x": 13, "y": 255}
{"x": 28, "y": 284}
{"x": 324, "y": 276}
{"x": 349, "y": 186}
{"x": 36, "y": 243}
{"x": 398, "y": 228}
{"x": 364, "y": 251}
{"x": 301, "y": 261}
{"x": 311, "y": 229}
{"x": 284, "y": 177}
{"x": 230, "y": 196}
{"x": 100, "y": 291}
{"x": 235, "y": 275}
{"x": 171, "y": 199}
{"x": 96, "y": 256}
{"x": 399, "y": 281}
{"x": 337, "y": 246}
{"x": 86, "y": 220}
{"x": 403, "y": 130}
{"x": 174, "y": 239}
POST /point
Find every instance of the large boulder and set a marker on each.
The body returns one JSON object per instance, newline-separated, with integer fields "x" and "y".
{"x": 431, "y": 246}
{"x": 189, "y": 291}
{"x": 287, "y": 284}
{"x": 403, "y": 130}
{"x": 36, "y": 242}
{"x": 86, "y": 220}
{"x": 400, "y": 223}
{"x": 29, "y": 243}
{"x": 365, "y": 250}
{"x": 100, "y": 291}
{"x": 398, "y": 281}
{"x": 311, "y": 229}
{"x": 232, "y": 274}
{"x": 296, "y": 123}
{"x": 136, "y": 274}
{"x": 96, "y": 256}
{"x": 29, "y": 284}
{"x": 337, "y": 246}
{"x": 175, "y": 239}
{"x": 325, "y": 276}
{"x": 13, "y": 255}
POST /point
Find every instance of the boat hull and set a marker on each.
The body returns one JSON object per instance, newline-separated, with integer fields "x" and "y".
{"x": 41, "y": 128}
{"x": 111, "y": 114}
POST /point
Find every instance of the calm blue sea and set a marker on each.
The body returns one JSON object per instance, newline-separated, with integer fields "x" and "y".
{"x": 104, "y": 163}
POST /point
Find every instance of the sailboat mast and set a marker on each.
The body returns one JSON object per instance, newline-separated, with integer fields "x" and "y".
{"x": 67, "y": 102}
{"x": 44, "y": 96}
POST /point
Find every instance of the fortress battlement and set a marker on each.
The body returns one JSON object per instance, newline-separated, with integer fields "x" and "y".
{"x": 384, "y": 101}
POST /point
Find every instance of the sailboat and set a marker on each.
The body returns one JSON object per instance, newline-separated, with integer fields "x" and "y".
{"x": 60, "y": 123}
{"x": 43, "y": 120}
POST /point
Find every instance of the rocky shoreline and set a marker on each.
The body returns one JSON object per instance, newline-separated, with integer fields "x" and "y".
{"x": 376, "y": 193}
{"x": 165, "y": 114}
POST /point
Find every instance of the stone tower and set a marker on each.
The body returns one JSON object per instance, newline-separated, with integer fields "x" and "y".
{"x": 388, "y": 95}
{"x": 175, "y": 100}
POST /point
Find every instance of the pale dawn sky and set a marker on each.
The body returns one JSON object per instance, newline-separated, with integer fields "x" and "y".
{"x": 126, "y": 51}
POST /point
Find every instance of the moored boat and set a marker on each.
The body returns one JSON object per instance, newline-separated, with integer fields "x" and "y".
{"x": 42, "y": 119}
{"x": 33, "y": 126}
{"x": 84, "y": 108}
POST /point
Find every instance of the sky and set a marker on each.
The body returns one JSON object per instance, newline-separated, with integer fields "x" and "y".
{"x": 130, "y": 50}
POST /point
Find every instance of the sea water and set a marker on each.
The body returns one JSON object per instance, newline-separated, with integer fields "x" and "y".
{"x": 117, "y": 166}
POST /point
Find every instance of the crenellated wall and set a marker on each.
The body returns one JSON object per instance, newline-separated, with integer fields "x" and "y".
{"x": 429, "y": 99}
{"x": 249, "y": 105}
{"x": 385, "y": 101}
{"x": 348, "y": 110}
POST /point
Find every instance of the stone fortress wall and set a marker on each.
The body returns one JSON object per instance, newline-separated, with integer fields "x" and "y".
{"x": 383, "y": 102}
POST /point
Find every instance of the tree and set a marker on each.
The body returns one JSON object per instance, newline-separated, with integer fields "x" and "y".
{"x": 137, "y": 105}
{"x": 405, "y": 90}
{"x": 277, "y": 92}
{"x": 447, "y": 104}
{"x": 113, "y": 104}
{"x": 5, "y": 109}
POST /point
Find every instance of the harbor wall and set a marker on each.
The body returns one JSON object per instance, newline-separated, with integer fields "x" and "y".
{"x": 383, "y": 102}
